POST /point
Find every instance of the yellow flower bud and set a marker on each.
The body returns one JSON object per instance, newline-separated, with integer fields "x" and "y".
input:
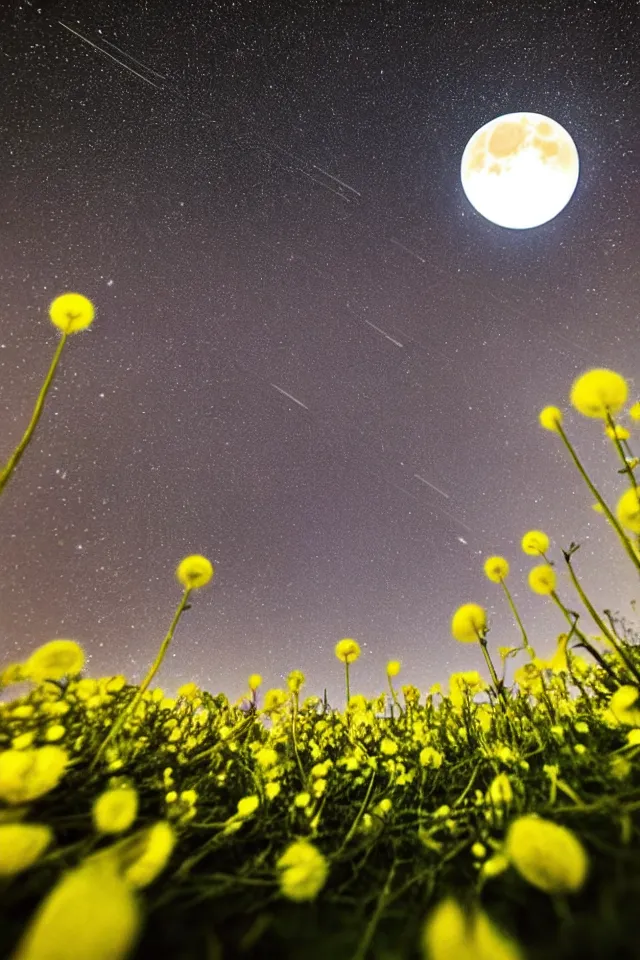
{"x": 542, "y": 579}
{"x": 598, "y": 392}
{"x": 194, "y": 572}
{"x": 550, "y": 418}
{"x": 469, "y": 623}
{"x": 71, "y": 312}
{"x": 496, "y": 569}
{"x": 347, "y": 650}
{"x": 535, "y": 543}
{"x": 248, "y": 805}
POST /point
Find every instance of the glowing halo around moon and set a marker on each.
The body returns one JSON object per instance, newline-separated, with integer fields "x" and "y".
{"x": 520, "y": 170}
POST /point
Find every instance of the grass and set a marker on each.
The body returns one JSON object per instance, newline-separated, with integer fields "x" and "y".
{"x": 479, "y": 821}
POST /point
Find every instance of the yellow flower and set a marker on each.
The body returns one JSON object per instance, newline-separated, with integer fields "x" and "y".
{"x": 535, "y": 543}
{"x": 388, "y": 747}
{"x": 12, "y": 673}
{"x": 598, "y": 392}
{"x": 295, "y": 681}
{"x": 624, "y": 705}
{"x": 247, "y": 806}
{"x": 620, "y": 767}
{"x": 550, "y": 418}
{"x": 621, "y": 433}
{"x": 546, "y": 854}
{"x": 26, "y": 775}
{"x": 188, "y": 690}
{"x": 558, "y": 662}
{"x": 450, "y": 933}
{"x": 347, "y": 650}
{"x": 302, "y": 800}
{"x": 23, "y": 740}
{"x": 496, "y": 569}
{"x": 54, "y": 733}
{"x": 21, "y": 844}
{"x": 194, "y": 572}
{"x": 90, "y": 912}
{"x": 115, "y": 810}
{"x": 634, "y": 411}
{"x": 628, "y": 510}
{"x": 53, "y": 660}
{"x": 272, "y": 790}
{"x": 254, "y": 681}
{"x": 149, "y": 852}
{"x": 303, "y": 871}
{"x": 542, "y": 579}
{"x": 273, "y": 700}
{"x": 71, "y": 312}
{"x": 429, "y": 757}
{"x": 469, "y": 623}
{"x": 500, "y": 793}
{"x": 393, "y": 668}
{"x": 266, "y": 757}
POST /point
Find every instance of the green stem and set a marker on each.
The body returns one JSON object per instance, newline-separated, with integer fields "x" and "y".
{"x": 360, "y": 814}
{"x": 293, "y": 734}
{"x": 610, "y": 517}
{"x": 596, "y": 617}
{"x": 518, "y": 620}
{"x": 583, "y": 640}
{"x": 117, "y": 726}
{"x": 16, "y": 456}
{"x": 368, "y": 935}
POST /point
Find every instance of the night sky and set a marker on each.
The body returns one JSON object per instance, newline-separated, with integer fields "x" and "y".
{"x": 271, "y": 205}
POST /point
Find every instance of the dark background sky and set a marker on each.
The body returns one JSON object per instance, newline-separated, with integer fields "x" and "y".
{"x": 289, "y": 183}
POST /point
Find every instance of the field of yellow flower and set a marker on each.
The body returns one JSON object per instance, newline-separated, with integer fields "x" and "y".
{"x": 475, "y": 822}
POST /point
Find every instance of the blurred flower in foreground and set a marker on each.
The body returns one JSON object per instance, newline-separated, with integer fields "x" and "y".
{"x": 547, "y": 855}
{"x": 26, "y": 775}
{"x": 451, "y": 933}
{"x": 90, "y": 913}
{"x": 53, "y": 660}
{"x": 21, "y": 844}
{"x": 303, "y": 871}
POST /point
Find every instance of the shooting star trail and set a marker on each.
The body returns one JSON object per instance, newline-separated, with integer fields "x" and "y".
{"x": 432, "y": 485}
{"x": 337, "y": 180}
{"x": 412, "y": 253}
{"x": 284, "y": 392}
{"x": 133, "y": 59}
{"x": 397, "y": 342}
{"x": 107, "y": 54}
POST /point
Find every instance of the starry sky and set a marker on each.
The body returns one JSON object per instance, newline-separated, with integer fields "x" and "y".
{"x": 263, "y": 201}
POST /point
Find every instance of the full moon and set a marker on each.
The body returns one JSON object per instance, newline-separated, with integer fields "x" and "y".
{"x": 520, "y": 170}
